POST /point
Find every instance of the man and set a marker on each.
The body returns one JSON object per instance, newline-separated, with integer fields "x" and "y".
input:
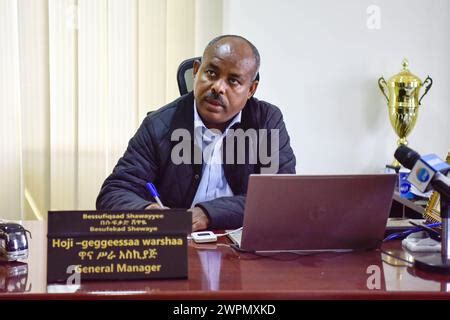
{"x": 200, "y": 171}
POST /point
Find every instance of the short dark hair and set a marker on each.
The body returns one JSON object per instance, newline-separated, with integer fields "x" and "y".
{"x": 254, "y": 50}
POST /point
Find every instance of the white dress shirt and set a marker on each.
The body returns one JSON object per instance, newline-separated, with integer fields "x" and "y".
{"x": 213, "y": 183}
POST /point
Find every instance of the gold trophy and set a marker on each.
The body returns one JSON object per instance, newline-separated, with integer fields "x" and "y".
{"x": 402, "y": 94}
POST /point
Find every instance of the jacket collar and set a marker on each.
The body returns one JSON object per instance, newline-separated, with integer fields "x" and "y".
{"x": 184, "y": 114}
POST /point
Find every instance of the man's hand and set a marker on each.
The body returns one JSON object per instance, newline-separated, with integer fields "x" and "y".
{"x": 200, "y": 220}
{"x": 155, "y": 206}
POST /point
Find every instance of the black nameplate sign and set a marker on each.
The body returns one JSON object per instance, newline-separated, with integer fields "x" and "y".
{"x": 117, "y": 245}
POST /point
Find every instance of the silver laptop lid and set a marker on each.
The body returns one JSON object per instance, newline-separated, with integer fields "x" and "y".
{"x": 325, "y": 212}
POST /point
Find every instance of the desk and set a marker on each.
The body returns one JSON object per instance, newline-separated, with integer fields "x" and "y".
{"x": 218, "y": 272}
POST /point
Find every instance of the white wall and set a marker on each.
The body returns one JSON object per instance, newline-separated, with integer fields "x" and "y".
{"x": 320, "y": 64}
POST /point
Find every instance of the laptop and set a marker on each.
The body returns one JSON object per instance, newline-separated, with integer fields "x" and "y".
{"x": 315, "y": 212}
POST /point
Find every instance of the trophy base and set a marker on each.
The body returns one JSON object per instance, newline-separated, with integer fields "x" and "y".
{"x": 433, "y": 263}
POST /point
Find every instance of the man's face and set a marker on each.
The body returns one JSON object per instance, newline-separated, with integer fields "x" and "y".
{"x": 223, "y": 82}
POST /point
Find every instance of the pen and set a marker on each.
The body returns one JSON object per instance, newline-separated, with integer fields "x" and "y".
{"x": 152, "y": 189}
{"x": 418, "y": 228}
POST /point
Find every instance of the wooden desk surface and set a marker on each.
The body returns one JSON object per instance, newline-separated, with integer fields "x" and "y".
{"x": 218, "y": 272}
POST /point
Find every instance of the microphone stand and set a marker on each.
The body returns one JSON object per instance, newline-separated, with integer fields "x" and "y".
{"x": 439, "y": 263}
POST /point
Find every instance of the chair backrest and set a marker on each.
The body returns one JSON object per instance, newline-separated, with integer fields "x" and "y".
{"x": 185, "y": 75}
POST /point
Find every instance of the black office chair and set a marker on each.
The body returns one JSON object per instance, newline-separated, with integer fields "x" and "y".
{"x": 185, "y": 75}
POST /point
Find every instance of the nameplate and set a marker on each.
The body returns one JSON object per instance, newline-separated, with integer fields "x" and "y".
{"x": 117, "y": 245}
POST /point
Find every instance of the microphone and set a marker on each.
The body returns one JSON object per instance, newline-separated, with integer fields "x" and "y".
{"x": 426, "y": 171}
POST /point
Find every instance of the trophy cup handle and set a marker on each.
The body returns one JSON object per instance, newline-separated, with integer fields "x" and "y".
{"x": 382, "y": 84}
{"x": 427, "y": 87}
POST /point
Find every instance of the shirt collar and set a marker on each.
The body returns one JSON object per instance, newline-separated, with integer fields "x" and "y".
{"x": 198, "y": 122}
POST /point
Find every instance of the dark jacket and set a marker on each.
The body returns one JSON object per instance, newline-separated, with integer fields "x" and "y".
{"x": 148, "y": 158}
